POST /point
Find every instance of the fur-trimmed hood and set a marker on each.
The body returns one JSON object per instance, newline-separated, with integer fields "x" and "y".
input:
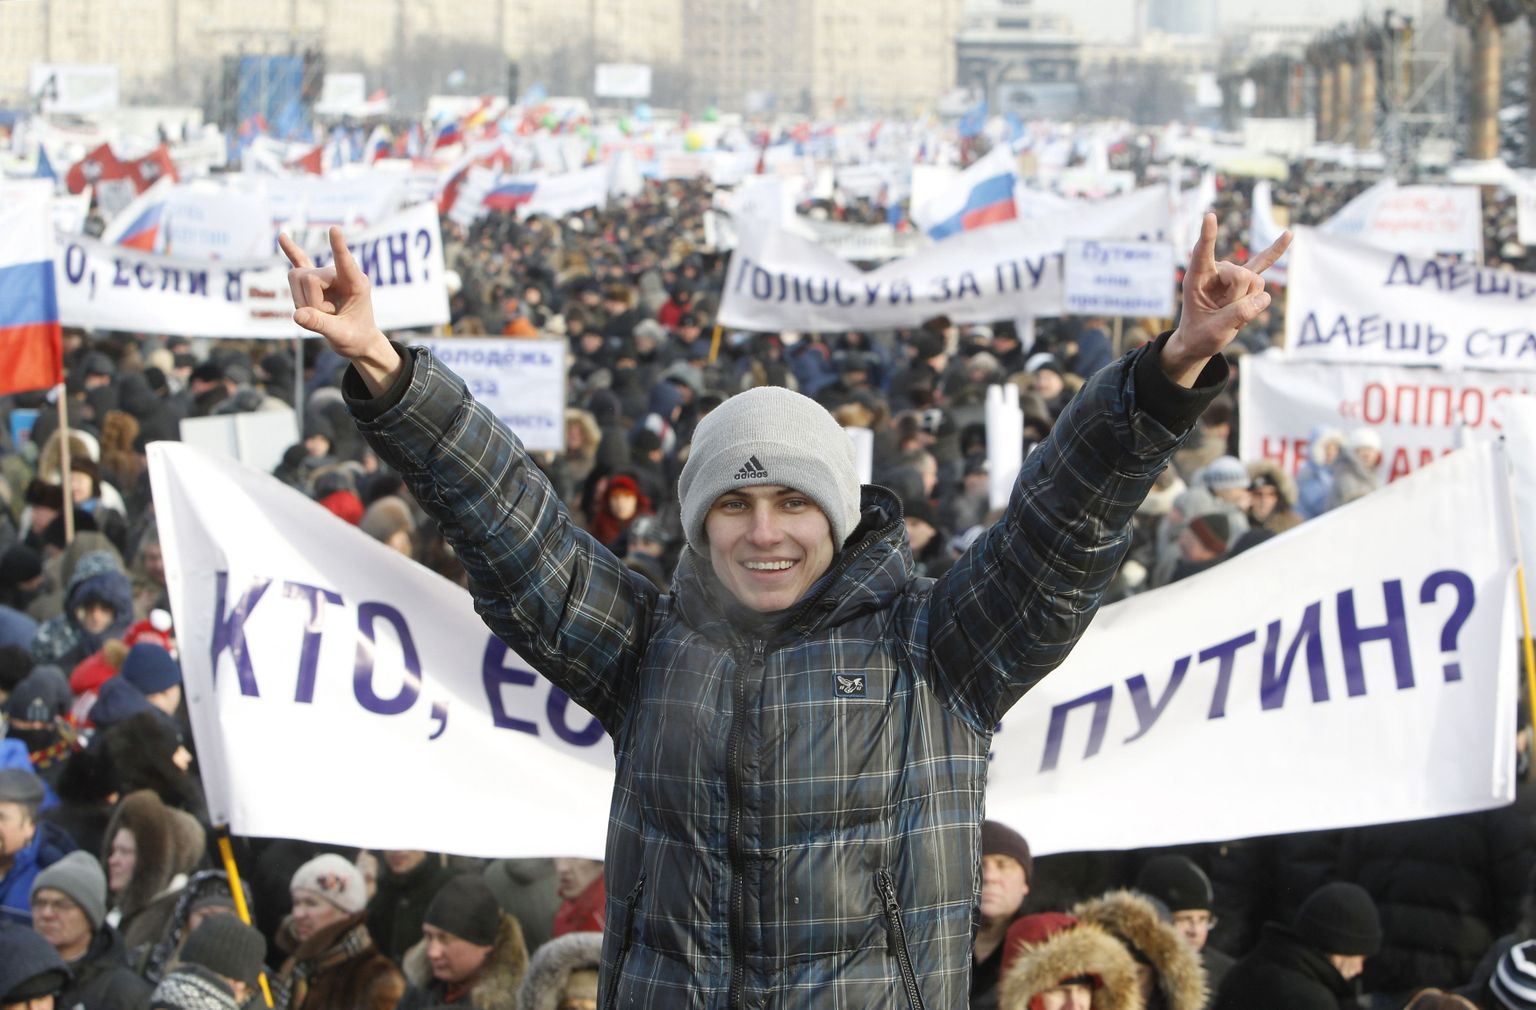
{"x": 1134, "y": 920}
{"x": 167, "y": 840}
{"x": 1273, "y": 472}
{"x": 497, "y": 986}
{"x": 1083, "y": 949}
{"x": 553, "y": 965}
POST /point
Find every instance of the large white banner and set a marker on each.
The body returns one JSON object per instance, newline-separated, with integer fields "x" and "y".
{"x": 1422, "y": 220}
{"x": 779, "y": 281}
{"x": 1351, "y": 302}
{"x": 105, "y": 286}
{"x": 1420, "y": 414}
{"x": 1334, "y": 694}
{"x": 522, "y": 381}
{"x": 1324, "y": 679}
{"x": 328, "y": 676}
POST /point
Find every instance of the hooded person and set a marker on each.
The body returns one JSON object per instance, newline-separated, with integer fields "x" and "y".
{"x": 219, "y": 968}
{"x": 205, "y": 896}
{"x": 1312, "y": 963}
{"x": 35, "y": 714}
{"x": 27, "y": 845}
{"x": 471, "y": 954}
{"x": 785, "y": 715}
{"x": 151, "y": 850}
{"x": 407, "y": 882}
{"x": 1314, "y": 480}
{"x": 1170, "y": 974}
{"x": 69, "y": 910}
{"x": 1049, "y": 955}
{"x": 30, "y": 969}
{"x": 1355, "y": 469}
{"x": 563, "y": 974}
{"x": 332, "y": 962}
{"x": 98, "y": 605}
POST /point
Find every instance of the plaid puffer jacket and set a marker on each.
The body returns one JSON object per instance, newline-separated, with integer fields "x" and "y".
{"x": 797, "y": 809}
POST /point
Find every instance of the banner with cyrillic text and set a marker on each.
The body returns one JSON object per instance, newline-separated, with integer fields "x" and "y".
{"x": 111, "y": 287}
{"x": 779, "y": 281}
{"x": 522, "y": 381}
{"x": 1417, "y": 412}
{"x": 328, "y": 676}
{"x": 1326, "y": 678}
{"x": 1351, "y": 302}
{"x": 1117, "y": 278}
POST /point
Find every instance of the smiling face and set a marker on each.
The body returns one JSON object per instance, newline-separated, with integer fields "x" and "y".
{"x": 768, "y": 544}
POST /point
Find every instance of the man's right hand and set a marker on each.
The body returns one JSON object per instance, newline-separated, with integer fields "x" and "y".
{"x": 334, "y": 302}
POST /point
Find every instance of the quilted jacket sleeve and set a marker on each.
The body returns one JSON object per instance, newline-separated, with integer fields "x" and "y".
{"x": 1013, "y": 607}
{"x": 542, "y": 585}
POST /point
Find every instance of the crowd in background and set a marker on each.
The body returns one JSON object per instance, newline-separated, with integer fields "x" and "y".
{"x": 108, "y": 866}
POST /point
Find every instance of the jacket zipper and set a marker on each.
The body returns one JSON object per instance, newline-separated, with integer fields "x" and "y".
{"x": 734, "y": 776}
{"x": 887, "y": 889}
{"x": 630, "y": 902}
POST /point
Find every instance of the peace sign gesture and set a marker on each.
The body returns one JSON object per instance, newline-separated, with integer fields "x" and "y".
{"x": 334, "y": 302}
{"x": 1219, "y": 300}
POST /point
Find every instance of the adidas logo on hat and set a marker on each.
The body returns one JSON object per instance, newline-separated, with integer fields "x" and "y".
{"x": 752, "y": 469}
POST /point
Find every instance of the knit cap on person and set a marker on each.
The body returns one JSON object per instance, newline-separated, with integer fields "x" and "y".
{"x": 150, "y": 668}
{"x": 467, "y": 908}
{"x": 1514, "y": 977}
{"x": 771, "y": 436}
{"x": 1225, "y": 473}
{"x": 334, "y": 879}
{"x": 1176, "y": 882}
{"x": 79, "y": 878}
{"x": 1001, "y": 840}
{"x": 18, "y": 785}
{"x": 228, "y": 947}
{"x": 1340, "y": 918}
{"x": 1213, "y": 530}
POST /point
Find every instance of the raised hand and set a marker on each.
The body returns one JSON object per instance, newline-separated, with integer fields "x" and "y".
{"x": 1219, "y": 300}
{"x": 334, "y": 302}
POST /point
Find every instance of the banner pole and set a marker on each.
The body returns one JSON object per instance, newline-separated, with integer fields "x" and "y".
{"x": 714, "y": 344}
{"x": 227, "y": 854}
{"x": 64, "y": 478}
{"x": 298, "y": 382}
{"x": 1527, "y": 644}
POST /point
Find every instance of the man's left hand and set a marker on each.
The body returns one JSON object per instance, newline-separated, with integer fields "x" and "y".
{"x": 1219, "y": 300}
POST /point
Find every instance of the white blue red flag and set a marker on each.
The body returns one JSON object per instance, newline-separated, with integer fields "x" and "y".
{"x": 979, "y": 196}
{"x": 31, "y": 341}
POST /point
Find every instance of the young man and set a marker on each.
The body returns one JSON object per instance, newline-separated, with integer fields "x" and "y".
{"x": 801, "y": 726}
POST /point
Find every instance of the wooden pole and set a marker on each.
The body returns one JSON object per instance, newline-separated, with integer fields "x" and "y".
{"x": 232, "y": 871}
{"x": 69, "y": 491}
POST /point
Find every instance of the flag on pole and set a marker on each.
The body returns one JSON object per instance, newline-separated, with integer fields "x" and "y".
{"x": 979, "y": 196}
{"x": 31, "y": 340}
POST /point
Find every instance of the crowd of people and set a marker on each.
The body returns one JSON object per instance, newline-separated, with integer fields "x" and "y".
{"x": 109, "y": 872}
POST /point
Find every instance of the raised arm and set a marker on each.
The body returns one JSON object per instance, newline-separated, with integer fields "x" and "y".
{"x": 1012, "y": 609}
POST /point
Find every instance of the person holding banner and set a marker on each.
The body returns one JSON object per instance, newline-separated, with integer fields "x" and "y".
{"x": 802, "y": 725}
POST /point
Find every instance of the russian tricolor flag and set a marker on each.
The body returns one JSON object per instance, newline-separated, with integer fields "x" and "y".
{"x": 31, "y": 343}
{"x": 508, "y": 196}
{"x": 448, "y": 134}
{"x": 143, "y": 232}
{"x": 979, "y": 196}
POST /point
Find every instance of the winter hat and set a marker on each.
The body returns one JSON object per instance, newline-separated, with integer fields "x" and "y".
{"x": 1365, "y": 438}
{"x": 150, "y": 669}
{"x": 1177, "y": 882}
{"x": 18, "y": 785}
{"x": 228, "y": 947}
{"x": 1341, "y": 918}
{"x": 29, "y": 966}
{"x": 78, "y": 876}
{"x": 1001, "y": 840}
{"x": 20, "y": 564}
{"x": 344, "y": 504}
{"x": 1042, "y": 360}
{"x": 42, "y": 696}
{"x": 1514, "y": 978}
{"x": 1225, "y": 473}
{"x": 334, "y": 879}
{"x": 466, "y": 907}
{"x": 1213, "y": 530}
{"x": 770, "y": 435}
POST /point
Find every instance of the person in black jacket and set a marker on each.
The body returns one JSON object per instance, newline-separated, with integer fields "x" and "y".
{"x": 408, "y": 880}
{"x": 1311, "y": 964}
{"x": 69, "y": 908}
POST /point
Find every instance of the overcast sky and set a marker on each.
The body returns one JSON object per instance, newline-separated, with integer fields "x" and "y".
{"x": 1106, "y": 20}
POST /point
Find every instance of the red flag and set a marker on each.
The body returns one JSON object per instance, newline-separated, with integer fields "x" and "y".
{"x": 313, "y": 162}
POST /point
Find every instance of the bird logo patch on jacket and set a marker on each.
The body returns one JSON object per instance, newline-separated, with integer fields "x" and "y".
{"x": 850, "y": 687}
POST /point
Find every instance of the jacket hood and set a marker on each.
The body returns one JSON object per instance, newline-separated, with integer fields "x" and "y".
{"x": 1276, "y": 474}
{"x": 116, "y": 702}
{"x": 25, "y": 955}
{"x": 553, "y": 965}
{"x": 166, "y": 846}
{"x": 867, "y": 575}
{"x": 1079, "y": 950}
{"x": 1133, "y": 919}
{"x": 497, "y": 986}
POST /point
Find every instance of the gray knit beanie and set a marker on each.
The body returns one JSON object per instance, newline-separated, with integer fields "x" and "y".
{"x": 770, "y": 435}
{"x": 78, "y": 876}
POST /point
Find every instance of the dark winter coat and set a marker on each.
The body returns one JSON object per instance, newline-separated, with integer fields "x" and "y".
{"x": 494, "y": 987}
{"x": 49, "y": 844}
{"x": 103, "y": 980}
{"x": 363, "y": 980}
{"x": 1446, "y": 889}
{"x": 1283, "y": 973}
{"x": 99, "y": 577}
{"x": 395, "y": 913}
{"x": 527, "y": 889}
{"x": 773, "y": 838}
